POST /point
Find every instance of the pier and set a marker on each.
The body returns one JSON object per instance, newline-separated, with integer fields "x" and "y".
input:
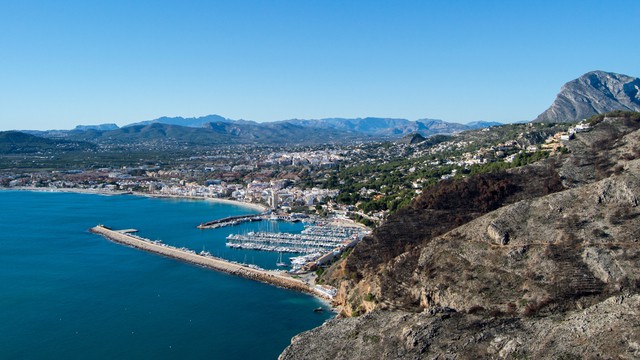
{"x": 239, "y": 219}
{"x": 231, "y": 220}
{"x": 206, "y": 260}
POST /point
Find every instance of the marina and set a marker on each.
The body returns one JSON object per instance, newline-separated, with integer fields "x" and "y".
{"x": 314, "y": 238}
{"x": 319, "y": 244}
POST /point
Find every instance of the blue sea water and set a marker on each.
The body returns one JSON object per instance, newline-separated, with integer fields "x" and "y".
{"x": 67, "y": 293}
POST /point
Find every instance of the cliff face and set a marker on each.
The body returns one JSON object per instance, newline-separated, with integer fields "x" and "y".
{"x": 596, "y": 92}
{"x": 520, "y": 253}
{"x": 606, "y": 330}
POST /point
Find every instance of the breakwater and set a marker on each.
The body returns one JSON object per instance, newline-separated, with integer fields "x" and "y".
{"x": 231, "y": 220}
{"x": 208, "y": 261}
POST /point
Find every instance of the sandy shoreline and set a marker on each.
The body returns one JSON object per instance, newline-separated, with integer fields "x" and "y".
{"x": 252, "y": 206}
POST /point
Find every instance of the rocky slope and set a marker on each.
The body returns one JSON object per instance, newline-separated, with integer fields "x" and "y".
{"x": 606, "y": 330}
{"x": 595, "y": 92}
{"x": 511, "y": 257}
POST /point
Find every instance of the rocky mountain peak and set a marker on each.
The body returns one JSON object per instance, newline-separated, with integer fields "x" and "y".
{"x": 595, "y": 92}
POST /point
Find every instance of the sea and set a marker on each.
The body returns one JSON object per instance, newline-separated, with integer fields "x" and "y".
{"x": 66, "y": 293}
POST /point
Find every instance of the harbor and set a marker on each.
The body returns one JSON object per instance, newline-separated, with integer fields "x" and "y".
{"x": 319, "y": 243}
{"x": 277, "y": 278}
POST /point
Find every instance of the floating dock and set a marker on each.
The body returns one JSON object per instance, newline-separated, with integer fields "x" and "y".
{"x": 311, "y": 240}
{"x": 206, "y": 260}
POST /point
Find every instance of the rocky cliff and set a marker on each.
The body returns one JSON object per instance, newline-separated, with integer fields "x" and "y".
{"x": 480, "y": 267}
{"x": 595, "y": 92}
{"x": 606, "y": 330}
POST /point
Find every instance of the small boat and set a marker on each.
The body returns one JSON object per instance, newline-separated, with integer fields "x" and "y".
{"x": 318, "y": 310}
{"x": 280, "y": 262}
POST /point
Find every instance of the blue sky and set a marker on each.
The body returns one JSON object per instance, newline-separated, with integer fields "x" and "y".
{"x": 65, "y": 63}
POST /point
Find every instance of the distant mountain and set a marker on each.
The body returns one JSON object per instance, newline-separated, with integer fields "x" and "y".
{"x": 436, "y": 126}
{"x": 188, "y": 122}
{"x": 382, "y": 127}
{"x": 16, "y": 142}
{"x": 214, "y": 133}
{"x": 96, "y": 127}
{"x": 367, "y": 126}
{"x": 595, "y": 92}
{"x": 214, "y": 129}
{"x": 483, "y": 124}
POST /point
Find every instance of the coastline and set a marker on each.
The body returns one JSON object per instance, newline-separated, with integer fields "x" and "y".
{"x": 252, "y": 206}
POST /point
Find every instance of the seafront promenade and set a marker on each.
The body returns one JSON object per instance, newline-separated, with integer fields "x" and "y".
{"x": 266, "y": 276}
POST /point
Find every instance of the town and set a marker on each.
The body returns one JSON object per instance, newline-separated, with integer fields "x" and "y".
{"x": 362, "y": 181}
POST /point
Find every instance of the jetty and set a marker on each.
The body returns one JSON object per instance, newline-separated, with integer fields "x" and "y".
{"x": 206, "y": 260}
{"x": 230, "y": 220}
{"x": 239, "y": 219}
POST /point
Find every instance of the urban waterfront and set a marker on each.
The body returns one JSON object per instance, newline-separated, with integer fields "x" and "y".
{"x": 69, "y": 293}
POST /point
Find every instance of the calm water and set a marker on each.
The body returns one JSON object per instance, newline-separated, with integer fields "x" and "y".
{"x": 66, "y": 293}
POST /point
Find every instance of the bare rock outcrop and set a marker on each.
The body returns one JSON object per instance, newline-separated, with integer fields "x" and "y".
{"x": 608, "y": 329}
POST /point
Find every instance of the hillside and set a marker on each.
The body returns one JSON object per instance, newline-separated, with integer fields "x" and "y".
{"x": 15, "y": 142}
{"x": 603, "y": 331}
{"x": 478, "y": 267}
{"x": 209, "y": 134}
{"x": 595, "y": 92}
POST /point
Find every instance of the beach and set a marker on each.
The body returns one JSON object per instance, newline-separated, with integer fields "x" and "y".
{"x": 252, "y": 206}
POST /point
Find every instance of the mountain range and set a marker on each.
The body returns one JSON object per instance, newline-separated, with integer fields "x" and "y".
{"x": 593, "y": 93}
{"x": 372, "y": 126}
{"x": 215, "y": 129}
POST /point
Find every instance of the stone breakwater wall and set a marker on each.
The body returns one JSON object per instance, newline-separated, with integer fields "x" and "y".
{"x": 265, "y": 276}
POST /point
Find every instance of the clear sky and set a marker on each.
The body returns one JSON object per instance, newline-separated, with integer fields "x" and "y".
{"x": 64, "y": 63}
